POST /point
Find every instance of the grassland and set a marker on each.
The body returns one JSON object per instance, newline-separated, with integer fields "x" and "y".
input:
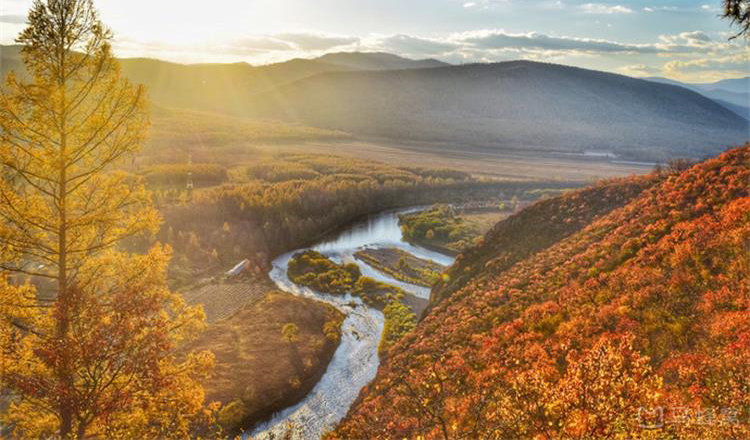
{"x": 213, "y": 137}
{"x": 258, "y": 371}
{"x": 402, "y": 265}
{"x": 234, "y": 141}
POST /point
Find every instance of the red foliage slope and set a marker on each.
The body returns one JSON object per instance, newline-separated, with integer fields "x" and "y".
{"x": 637, "y": 326}
{"x": 538, "y": 227}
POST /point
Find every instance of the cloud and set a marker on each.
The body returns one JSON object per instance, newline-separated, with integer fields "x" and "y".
{"x": 495, "y": 39}
{"x": 410, "y": 45}
{"x": 681, "y": 55}
{"x": 13, "y": 19}
{"x": 315, "y": 42}
{"x": 288, "y": 42}
{"x": 599, "y": 8}
{"x": 639, "y": 70}
{"x": 694, "y": 39}
{"x": 254, "y": 44}
{"x": 736, "y": 62}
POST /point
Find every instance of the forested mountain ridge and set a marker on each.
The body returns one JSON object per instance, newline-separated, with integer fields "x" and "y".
{"x": 644, "y": 312}
{"x": 513, "y": 105}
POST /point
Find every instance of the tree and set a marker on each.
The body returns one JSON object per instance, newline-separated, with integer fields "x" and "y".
{"x": 738, "y": 12}
{"x": 402, "y": 264}
{"x": 94, "y": 354}
{"x": 290, "y": 332}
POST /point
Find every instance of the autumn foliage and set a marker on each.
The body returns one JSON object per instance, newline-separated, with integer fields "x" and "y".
{"x": 635, "y": 326}
{"x": 88, "y": 333}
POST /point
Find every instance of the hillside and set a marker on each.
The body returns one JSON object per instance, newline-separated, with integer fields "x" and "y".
{"x": 636, "y": 326}
{"x": 734, "y": 85}
{"x": 222, "y": 88}
{"x": 227, "y": 88}
{"x": 537, "y": 228}
{"x": 513, "y": 105}
{"x": 733, "y": 94}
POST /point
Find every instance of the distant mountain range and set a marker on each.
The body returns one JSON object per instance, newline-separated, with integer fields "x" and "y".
{"x": 733, "y": 94}
{"x": 516, "y": 105}
{"x": 377, "y": 61}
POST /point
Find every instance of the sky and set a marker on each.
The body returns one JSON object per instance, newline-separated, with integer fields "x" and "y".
{"x": 679, "y": 39}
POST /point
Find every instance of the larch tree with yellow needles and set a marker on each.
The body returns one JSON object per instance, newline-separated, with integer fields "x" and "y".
{"x": 92, "y": 351}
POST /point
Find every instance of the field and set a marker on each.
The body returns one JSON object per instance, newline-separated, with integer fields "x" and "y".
{"x": 234, "y": 142}
{"x": 402, "y": 265}
{"x": 259, "y": 371}
{"x": 221, "y": 300}
{"x": 505, "y": 165}
{"x": 212, "y": 137}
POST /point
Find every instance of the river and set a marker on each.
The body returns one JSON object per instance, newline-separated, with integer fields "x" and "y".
{"x": 355, "y": 361}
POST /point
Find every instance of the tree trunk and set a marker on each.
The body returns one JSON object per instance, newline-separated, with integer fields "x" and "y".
{"x": 63, "y": 301}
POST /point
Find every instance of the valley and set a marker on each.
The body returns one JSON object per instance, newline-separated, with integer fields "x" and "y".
{"x": 402, "y": 222}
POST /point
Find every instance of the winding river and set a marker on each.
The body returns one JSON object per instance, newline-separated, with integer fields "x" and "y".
{"x": 355, "y": 362}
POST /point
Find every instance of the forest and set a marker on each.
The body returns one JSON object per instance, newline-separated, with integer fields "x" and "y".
{"x": 291, "y": 199}
{"x": 441, "y": 226}
{"x": 640, "y": 310}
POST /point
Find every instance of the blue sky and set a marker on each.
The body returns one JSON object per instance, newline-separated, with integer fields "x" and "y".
{"x": 682, "y": 39}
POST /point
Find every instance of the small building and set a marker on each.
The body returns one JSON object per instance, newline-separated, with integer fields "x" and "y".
{"x": 238, "y": 268}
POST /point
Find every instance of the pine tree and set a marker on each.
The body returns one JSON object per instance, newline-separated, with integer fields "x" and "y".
{"x": 96, "y": 357}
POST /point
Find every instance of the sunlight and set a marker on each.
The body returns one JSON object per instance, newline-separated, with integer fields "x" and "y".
{"x": 374, "y": 219}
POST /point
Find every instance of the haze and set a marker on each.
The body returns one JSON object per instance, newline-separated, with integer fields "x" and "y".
{"x": 682, "y": 40}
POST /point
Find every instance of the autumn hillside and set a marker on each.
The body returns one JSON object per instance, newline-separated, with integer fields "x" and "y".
{"x": 635, "y": 326}
{"x": 538, "y": 227}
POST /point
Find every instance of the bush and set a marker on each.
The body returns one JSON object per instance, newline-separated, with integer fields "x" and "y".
{"x": 232, "y": 415}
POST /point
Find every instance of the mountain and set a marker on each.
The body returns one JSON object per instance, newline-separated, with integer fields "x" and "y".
{"x": 224, "y": 88}
{"x": 516, "y": 106}
{"x": 227, "y": 88}
{"x": 512, "y": 105}
{"x": 646, "y": 306}
{"x": 741, "y": 110}
{"x": 733, "y": 85}
{"x": 736, "y": 85}
{"x": 733, "y": 94}
{"x": 377, "y": 61}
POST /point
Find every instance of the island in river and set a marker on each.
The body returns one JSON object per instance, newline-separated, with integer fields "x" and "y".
{"x": 402, "y": 265}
